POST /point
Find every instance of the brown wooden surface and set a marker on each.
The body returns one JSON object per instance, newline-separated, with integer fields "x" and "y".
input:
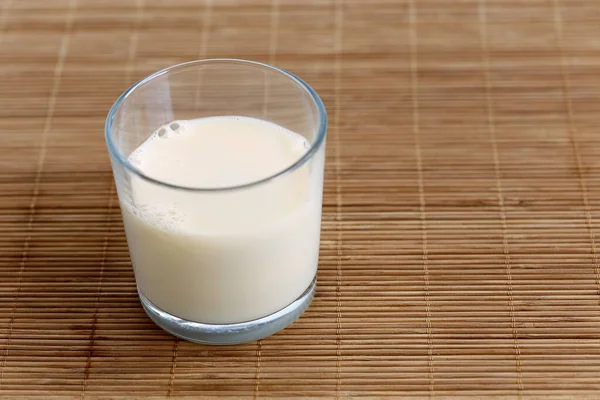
{"x": 459, "y": 247}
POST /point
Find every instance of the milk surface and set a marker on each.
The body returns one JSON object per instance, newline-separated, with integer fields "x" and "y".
{"x": 223, "y": 256}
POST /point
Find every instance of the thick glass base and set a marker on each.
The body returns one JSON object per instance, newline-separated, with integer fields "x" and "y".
{"x": 242, "y": 332}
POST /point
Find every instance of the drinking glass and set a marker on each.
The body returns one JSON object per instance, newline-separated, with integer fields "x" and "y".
{"x": 242, "y": 283}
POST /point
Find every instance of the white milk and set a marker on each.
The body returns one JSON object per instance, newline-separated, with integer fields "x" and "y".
{"x": 226, "y": 256}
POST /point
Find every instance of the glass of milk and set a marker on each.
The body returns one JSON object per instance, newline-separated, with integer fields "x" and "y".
{"x": 218, "y": 166}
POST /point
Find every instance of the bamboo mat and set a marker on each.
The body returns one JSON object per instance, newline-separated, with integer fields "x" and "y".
{"x": 461, "y": 207}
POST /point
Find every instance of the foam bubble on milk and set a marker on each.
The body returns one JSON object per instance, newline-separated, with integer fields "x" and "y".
{"x": 165, "y": 217}
{"x": 163, "y": 132}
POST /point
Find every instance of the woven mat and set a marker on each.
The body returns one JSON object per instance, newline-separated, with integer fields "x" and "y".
{"x": 459, "y": 252}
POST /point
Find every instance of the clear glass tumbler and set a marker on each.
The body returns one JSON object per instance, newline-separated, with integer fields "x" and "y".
{"x": 243, "y": 281}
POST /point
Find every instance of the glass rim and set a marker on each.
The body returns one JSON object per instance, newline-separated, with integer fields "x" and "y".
{"x": 314, "y": 146}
